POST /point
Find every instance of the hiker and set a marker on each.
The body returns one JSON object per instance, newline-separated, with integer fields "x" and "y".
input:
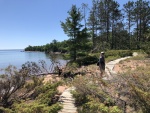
{"x": 102, "y": 64}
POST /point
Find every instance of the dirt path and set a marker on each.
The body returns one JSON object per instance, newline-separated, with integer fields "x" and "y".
{"x": 110, "y": 71}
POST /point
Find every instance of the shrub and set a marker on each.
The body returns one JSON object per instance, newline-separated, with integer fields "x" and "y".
{"x": 114, "y": 54}
{"x": 133, "y": 86}
{"x": 35, "y": 107}
{"x": 66, "y": 56}
{"x": 145, "y": 46}
{"x": 87, "y": 60}
{"x": 137, "y": 84}
{"x": 45, "y": 91}
{"x": 55, "y": 108}
{"x": 11, "y": 82}
{"x": 120, "y": 53}
{"x": 91, "y": 95}
{"x": 80, "y": 98}
{"x": 81, "y": 54}
{"x": 115, "y": 109}
{"x": 44, "y": 100}
{"x": 5, "y": 110}
{"x": 18, "y": 85}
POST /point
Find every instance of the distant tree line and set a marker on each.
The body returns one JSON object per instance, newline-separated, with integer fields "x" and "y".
{"x": 106, "y": 26}
{"x": 54, "y": 46}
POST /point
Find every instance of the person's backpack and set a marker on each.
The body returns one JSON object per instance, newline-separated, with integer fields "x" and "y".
{"x": 98, "y": 63}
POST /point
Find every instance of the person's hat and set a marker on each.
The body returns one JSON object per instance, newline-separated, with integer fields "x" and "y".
{"x": 102, "y": 52}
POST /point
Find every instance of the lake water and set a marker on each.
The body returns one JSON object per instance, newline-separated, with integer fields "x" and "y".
{"x": 19, "y": 57}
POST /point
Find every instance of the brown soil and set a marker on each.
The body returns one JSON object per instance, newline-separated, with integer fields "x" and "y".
{"x": 128, "y": 65}
{"x": 53, "y": 78}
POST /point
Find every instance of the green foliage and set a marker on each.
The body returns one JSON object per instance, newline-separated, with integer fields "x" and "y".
{"x": 114, "y": 54}
{"x": 120, "y": 53}
{"x": 55, "y": 108}
{"x": 138, "y": 89}
{"x": 44, "y": 101}
{"x": 5, "y": 110}
{"x": 115, "y": 109}
{"x": 35, "y": 83}
{"x": 87, "y": 60}
{"x": 54, "y": 46}
{"x": 92, "y": 105}
{"x": 74, "y": 29}
{"x": 11, "y": 82}
{"x": 35, "y": 107}
{"x": 146, "y": 47}
{"x": 80, "y": 98}
{"x": 134, "y": 85}
{"x": 41, "y": 91}
{"x": 111, "y": 58}
{"x": 72, "y": 65}
{"x": 66, "y": 56}
{"x": 23, "y": 93}
{"x": 46, "y": 98}
{"x": 81, "y": 54}
{"x": 91, "y": 97}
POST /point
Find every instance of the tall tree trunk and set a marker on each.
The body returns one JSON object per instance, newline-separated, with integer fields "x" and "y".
{"x": 93, "y": 40}
{"x": 75, "y": 54}
{"x": 107, "y": 27}
{"x": 138, "y": 39}
{"x": 112, "y": 42}
{"x": 129, "y": 31}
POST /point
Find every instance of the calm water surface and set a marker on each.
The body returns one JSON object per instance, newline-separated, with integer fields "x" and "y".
{"x": 19, "y": 57}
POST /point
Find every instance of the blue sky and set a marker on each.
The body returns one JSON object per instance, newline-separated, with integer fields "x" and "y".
{"x": 34, "y": 22}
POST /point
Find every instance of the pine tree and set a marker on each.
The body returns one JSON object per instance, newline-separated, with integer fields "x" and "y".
{"x": 128, "y": 9}
{"x": 142, "y": 20}
{"x": 73, "y": 28}
{"x": 92, "y": 23}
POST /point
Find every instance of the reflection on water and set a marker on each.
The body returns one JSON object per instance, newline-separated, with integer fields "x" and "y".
{"x": 18, "y": 57}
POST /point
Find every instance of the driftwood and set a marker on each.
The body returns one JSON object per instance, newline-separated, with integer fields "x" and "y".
{"x": 39, "y": 74}
{"x": 57, "y": 73}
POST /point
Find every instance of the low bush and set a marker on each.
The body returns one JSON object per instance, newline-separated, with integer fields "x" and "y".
{"x": 55, "y": 108}
{"x": 120, "y": 53}
{"x": 136, "y": 89}
{"x": 80, "y": 98}
{"x": 66, "y": 56}
{"x": 35, "y": 107}
{"x": 91, "y": 96}
{"x": 110, "y": 58}
{"x": 81, "y": 54}
{"x": 114, "y": 54}
{"x": 42, "y": 100}
{"x": 87, "y": 60}
{"x": 145, "y": 46}
{"x": 5, "y": 110}
{"x": 47, "y": 93}
{"x": 22, "y": 92}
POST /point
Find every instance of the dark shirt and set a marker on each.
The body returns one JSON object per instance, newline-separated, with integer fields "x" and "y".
{"x": 102, "y": 62}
